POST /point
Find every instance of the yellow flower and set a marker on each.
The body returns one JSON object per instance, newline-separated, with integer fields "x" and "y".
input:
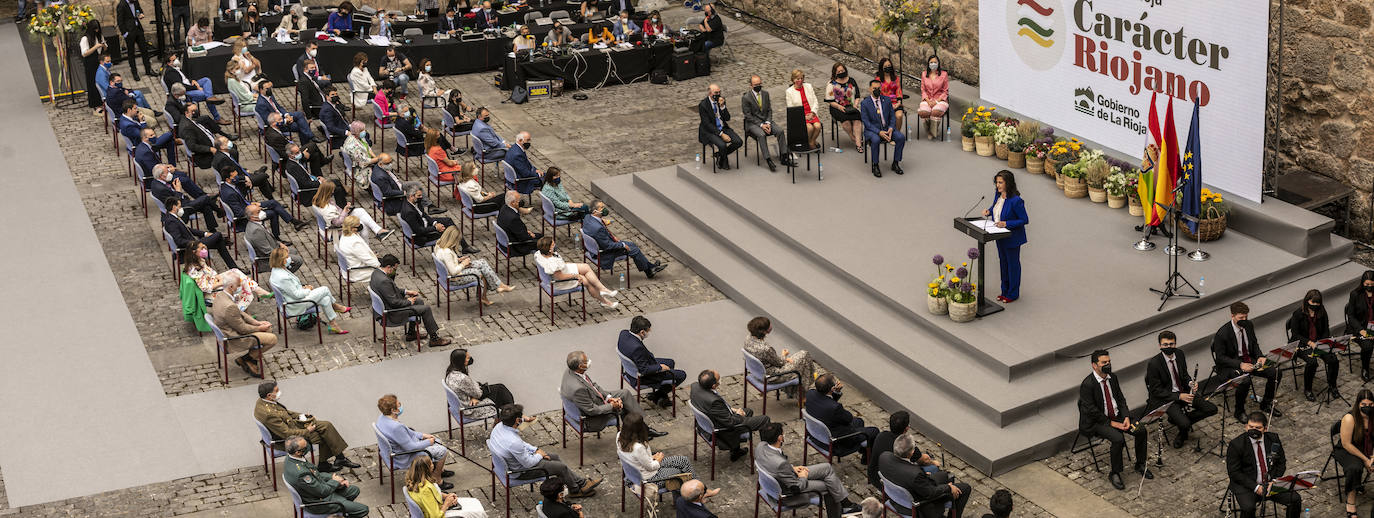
{"x": 970, "y": 109}
{"x": 965, "y": 263}
{"x": 1077, "y": 146}
{"x": 954, "y": 280}
{"x": 982, "y": 108}
{"x": 933, "y": 285}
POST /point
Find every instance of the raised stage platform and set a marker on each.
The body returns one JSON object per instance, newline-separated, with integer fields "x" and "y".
{"x": 844, "y": 263}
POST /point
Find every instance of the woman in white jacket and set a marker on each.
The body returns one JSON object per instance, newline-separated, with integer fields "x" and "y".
{"x": 324, "y": 206}
{"x": 356, "y": 251}
{"x": 632, "y": 445}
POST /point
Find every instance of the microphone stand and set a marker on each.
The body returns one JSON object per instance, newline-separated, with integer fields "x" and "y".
{"x": 1175, "y": 282}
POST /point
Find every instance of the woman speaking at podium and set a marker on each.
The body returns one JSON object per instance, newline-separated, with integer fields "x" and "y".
{"x": 1009, "y": 211}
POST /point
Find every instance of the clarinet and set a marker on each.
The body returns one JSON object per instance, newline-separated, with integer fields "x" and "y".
{"x": 1192, "y": 391}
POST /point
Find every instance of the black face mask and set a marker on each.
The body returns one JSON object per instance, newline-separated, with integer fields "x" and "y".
{"x": 526, "y": 145}
{"x": 1368, "y": 411}
{"x": 715, "y": 97}
{"x": 842, "y": 75}
{"x": 1254, "y": 434}
{"x": 1168, "y": 351}
{"x": 267, "y": 91}
{"x": 758, "y": 89}
{"x": 471, "y": 361}
{"x": 1314, "y": 307}
{"x": 1369, "y": 289}
{"x": 1107, "y": 370}
{"x": 486, "y": 119}
{"x": 877, "y": 92}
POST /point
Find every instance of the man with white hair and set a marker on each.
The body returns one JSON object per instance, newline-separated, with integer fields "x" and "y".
{"x": 899, "y": 467}
{"x": 358, "y": 147}
{"x": 527, "y": 178}
{"x": 165, "y": 185}
{"x": 691, "y": 500}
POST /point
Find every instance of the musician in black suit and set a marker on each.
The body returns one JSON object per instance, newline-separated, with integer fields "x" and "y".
{"x": 1359, "y": 316}
{"x": 715, "y": 127}
{"x": 899, "y": 467}
{"x": 732, "y": 421}
{"x": 1107, "y": 416}
{"x": 1307, "y": 325}
{"x": 1253, "y": 460}
{"x": 823, "y": 403}
{"x": 1167, "y": 381}
{"x": 1236, "y": 350}
{"x": 129, "y": 18}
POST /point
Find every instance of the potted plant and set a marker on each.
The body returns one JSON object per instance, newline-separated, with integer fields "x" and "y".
{"x": 1212, "y": 217}
{"x": 1003, "y": 138}
{"x": 1133, "y": 194}
{"x": 1062, "y": 152}
{"x": 963, "y": 298}
{"x": 982, "y": 137}
{"x": 1026, "y": 131}
{"x": 1095, "y": 173}
{"x": 1116, "y": 188}
{"x": 966, "y": 125}
{"x": 1036, "y": 153}
{"x": 937, "y": 292}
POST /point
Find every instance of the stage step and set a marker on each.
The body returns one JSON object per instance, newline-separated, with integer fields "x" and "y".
{"x": 992, "y": 419}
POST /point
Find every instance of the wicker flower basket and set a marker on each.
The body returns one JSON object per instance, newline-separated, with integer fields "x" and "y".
{"x": 1075, "y": 187}
{"x": 984, "y": 146}
{"x": 1051, "y": 168}
{"x": 963, "y": 312}
{"x": 1001, "y": 150}
{"x": 1058, "y": 180}
{"x": 1115, "y": 202}
{"x": 1035, "y": 165}
{"x": 1097, "y": 194}
{"x": 1210, "y": 228}
{"x": 1135, "y": 208}
{"x": 967, "y": 143}
{"x": 1016, "y": 159}
{"x": 937, "y": 305}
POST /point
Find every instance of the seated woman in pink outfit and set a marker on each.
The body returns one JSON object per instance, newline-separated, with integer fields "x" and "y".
{"x": 934, "y": 95}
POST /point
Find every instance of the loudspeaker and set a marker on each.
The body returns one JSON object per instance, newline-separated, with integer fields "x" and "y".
{"x": 684, "y": 65}
{"x": 703, "y": 61}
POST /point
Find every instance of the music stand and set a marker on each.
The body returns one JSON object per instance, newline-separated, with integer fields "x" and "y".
{"x": 1175, "y": 283}
{"x": 1330, "y": 346}
{"x": 1225, "y": 386}
{"x": 1300, "y": 481}
{"x": 1154, "y": 416}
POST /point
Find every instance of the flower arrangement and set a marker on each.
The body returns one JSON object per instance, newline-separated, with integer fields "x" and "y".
{"x": 934, "y": 30}
{"x": 1064, "y": 151}
{"x": 939, "y": 285}
{"x": 1116, "y": 182}
{"x": 1212, "y": 200}
{"x": 1133, "y": 186}
{"x": 973, "y": 117}
{"x": 1040, "y": 148}
{"x": 1096, "y": 172}
{"x": 60, "y": 18}
{"x": 1006, "y": 135}
{"x": 963, "y": 289}
{"x": 1026, "y": 133}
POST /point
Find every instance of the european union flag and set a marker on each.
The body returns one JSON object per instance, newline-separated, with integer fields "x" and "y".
{"x": 1191, "y": 170}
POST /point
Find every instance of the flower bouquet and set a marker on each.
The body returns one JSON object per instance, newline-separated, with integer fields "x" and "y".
{"x": 1116, "y": 188}
{"x": 53, "y": 23}
{"x": 937, "y": 291}
{"x": 1212, "y": 217}
{"x": 963, "y": 294}
{"x": 1003, "y": 138}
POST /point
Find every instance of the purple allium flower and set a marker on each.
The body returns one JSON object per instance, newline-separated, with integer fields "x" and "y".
{"x": 965, "y": 286}
{"x": 973, "y": 253}
{"x": 938, "y": 259}
{"x": 961, "y": 272}
{"x": 1047, "y": 131}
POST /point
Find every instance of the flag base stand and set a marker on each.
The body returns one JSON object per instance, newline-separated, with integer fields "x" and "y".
{"x": 1199, "y": 255}
{"x": 1175, "y": 284}
{"x": 1175, "y": 250}
{"x": 1144, "y": 245}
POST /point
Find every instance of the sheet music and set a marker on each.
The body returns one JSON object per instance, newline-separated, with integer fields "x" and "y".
{"x": 989, "y": 226}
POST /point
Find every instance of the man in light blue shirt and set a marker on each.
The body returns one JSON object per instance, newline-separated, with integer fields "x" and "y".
{"x": 506, "y": 442}
{"x": 494, "y": 147}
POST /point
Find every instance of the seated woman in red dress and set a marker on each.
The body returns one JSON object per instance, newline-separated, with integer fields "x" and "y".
{"x": 801, "y": 94}
{"x": 891, "y": 86}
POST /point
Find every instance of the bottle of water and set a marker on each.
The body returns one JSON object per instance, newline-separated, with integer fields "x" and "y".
{"x": 698, "y": 161}
{"x": 834, "y": 149}
{"x": 1201, "y": 286}
{"x": 262, "y": 36}
{"x": 1307, "y": 512}
{"x": 622, "y": 281}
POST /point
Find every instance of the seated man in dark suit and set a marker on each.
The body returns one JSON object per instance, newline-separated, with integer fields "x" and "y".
{"x": 900, "y": 468}
{"x": 1253, "y": 460}
{"x": 227, "y": 159}
{"x": 307, "y": 182}
{"x": 611, "y": 248}
{"x": 183, "y": 235}
{"x": 823, "y": 403}
{"x": 116, "y": 94}
{"x": 652, "y": 370}
{"x": 819, "y": 479}
{"x": 1236, "y": 349}
{"x": 690, "y": 501}
{"x": 1167, "y": 381}
{"x": 274, "y": 138}
{"x": 407, "y": 301}
{"x": 493, "y": 145}
{"x": 311, "y": 88}
{"x": 715, "y": 128}
{"x": 880, "y": 126}
{"x": 312, "y": 50}
{"x": 165, "y": 185}
{"x": 131, "y": 125}
{"x": 234, "y": 192}
{"x": 198, "y": 132}
{"x": 332, "y": 117}
{"x": 294, "y": 122}
{"x": 145, "y": 155}
{"x": 527, "y": 178}
{"x": 732, "y": 422}
{"x": 425, "y": 228}
{"x": 450, "y": 24}
{"x": 898, "y": 423}
{"x": 522, "y": 240}
{"x": 1102, "y": 412}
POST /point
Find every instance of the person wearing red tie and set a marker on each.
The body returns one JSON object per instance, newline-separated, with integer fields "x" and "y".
{"x": 1237, "y": 351}
{"x": 1102, "y": 412}
{"x": 1253, "y": 460}
{"x": 1167, "y": 380}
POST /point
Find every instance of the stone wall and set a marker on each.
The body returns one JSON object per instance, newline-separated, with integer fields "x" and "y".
{"x": 1327, "y": 104}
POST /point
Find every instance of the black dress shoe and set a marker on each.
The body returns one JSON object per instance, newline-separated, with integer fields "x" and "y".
{"x": 470, "y": 250}
{"x": 772, "y": 168}
{"x": 1140, "y": 468}
{"x": 1272, "y": 411}
{"x": 262, "y": 169}
{"x": 1177, "y": 442}
{"x": 435, "y": 210}
{"x": 215, "y": 100}
{"x": 1364, "y": 375}
{"x": 445, "y": 486}
{"x": 285, "y": 242}
{"x": 446, "y": 473}
{"x": 1310, "y": 396}
{"x": 877, "y": 173}
{"x": 343, "y": 461}
{"x": 724, "y": 165}
{"x": 736, "y": 454}
{"x": 897, "y": 168}
{"x": 656, "y": 433}
{"x": 325, "y": 467}
{"x": 157, "y": 113}
{"x": 850, "y": 508}
{"x": 1240, "y": 418}
{"x": 1115, "y": 478}
{"x": 299, "y": 224}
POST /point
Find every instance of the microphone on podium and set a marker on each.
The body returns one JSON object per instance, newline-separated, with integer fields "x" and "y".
{"x": 975, "y": 205}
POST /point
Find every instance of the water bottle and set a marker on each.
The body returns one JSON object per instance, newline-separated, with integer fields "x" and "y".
{"x": 622, "y": 281}
{"x": 1201, "y": 286}
{"x": 1307, "y": 512}
{"x": 834, "y": 149}
{"x": 262, "y": 36}
{"x": 698, "y": 161}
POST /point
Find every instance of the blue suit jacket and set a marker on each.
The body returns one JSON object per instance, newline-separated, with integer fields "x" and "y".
{"x": 870, "y": 118}
{"x": 1014, "y": 215}
{"x": 263, "y": 109}
{"x": 831, "y": 413}
{"x": 102, "y": 78}
{"x": 131, "y": 129}
{"x": 146, "y": 158}
{"x": 391, "y": 192}
{"x": 597, "y": 230}
{"x": 334, "y": 122}
{"x": 233, "y": 196}
{"x": 114, "y": 99}
{"x": 520, "y": 161}
{"x": 490, "y": 140}
{"x": 633, "y": 348}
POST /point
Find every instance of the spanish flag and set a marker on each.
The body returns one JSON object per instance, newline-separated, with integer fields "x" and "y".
{"x": 1166, "y": 172}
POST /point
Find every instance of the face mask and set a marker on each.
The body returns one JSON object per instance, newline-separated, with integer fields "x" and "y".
{"x": 428, "y": 68}
{"x": 312, "y": 52}
{"x": 1314, "y": 307}
{"x": 876, "y": 92}
{"x": 588, "y": 365}
{"x": 229, "y": 145}
{"x": 655, "y": 20}
{"x": 1369, "y": 289}
{"x": 277, "y": 397}
{"x": 471, "y": 361}
{"x": 556, "y": 181}
{"x": 1168, "y": 351}
{"x": 388, "y": 167}
{"x": 1107, "y": 370}
{"x": 888, "y": 69}
{"x": 244, "y": 51}
{"x": 176, "y": 64}
{"x": 181, "y": 98}
{"x": 934, "y": 66}
{"x": 311, "y": 72}
{"x": 267, "y": 91}
{"x": 605, "y": 211}
{"x": 400, "y": 410}
{"x": 1254, "y": 434}
{"x": 363, "y": 134}
{"x": 488, "y": 119}
{"x": 203, "y": 253}
{"x": 392, "y": 274}
{"x": 119, "y": 84}
{"x": 262, "y": 215}
{"x": 841, "y": 75}
{"x": 758, "y": 88}
{"x": 715, "y": 97}
{"x": 299, "y": 156}
{"x": 180, "y": 212}
{"x": 1368, "y": 411}
{"x": 525, "y": 145}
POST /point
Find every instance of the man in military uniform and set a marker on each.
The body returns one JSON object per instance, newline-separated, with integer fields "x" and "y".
{"x": 319, "y": 493}
{"x": 285, "y": 423}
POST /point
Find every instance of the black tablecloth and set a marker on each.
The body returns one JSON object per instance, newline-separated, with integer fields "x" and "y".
{"x": 449, "y": 56}
{"x": 592, "y": 68}
{"x": 317, "y": 17}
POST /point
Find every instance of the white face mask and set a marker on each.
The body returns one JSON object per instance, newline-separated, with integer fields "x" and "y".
{"x": 180, "y": 212}
{"x": 262, "y": 215}
{"x": 313, "y": 52}
{"x": 277, "y": 397}
{"x": 176, "y": 64}
{"x": 934, "y": 66}
{"x": 588, "y": 365}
